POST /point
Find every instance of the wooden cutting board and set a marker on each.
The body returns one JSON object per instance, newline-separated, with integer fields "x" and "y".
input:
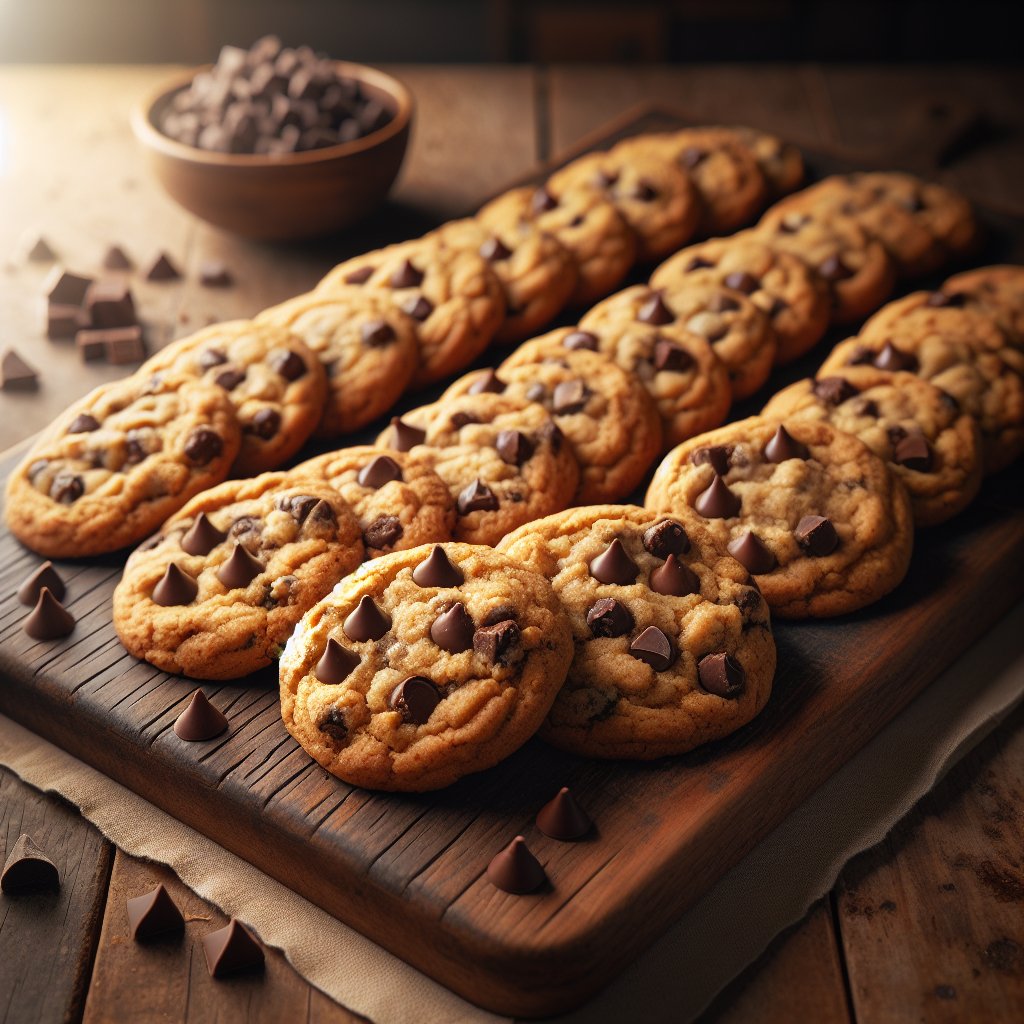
{"x": 408, "y": 871}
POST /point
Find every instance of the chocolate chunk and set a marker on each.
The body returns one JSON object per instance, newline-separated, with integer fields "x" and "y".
{"x": 941, "y": 299}
{"x": 418, "y": 307}
{"x": 816, "y": 535}
{"x": 202, "y": 536}
{"x": 123, "y": 345}
{"x": 91, "y": 345}
{"x": 367, "y": 622}
{"x": 580, "y": 339}
{"x": 515, "y": 869}
{"x": 414, "y": 699}
{"x": 232, "y": 950}
{"x": 377, "y": 333}
{"x": 783, "y": 446}
{"x": 692, "y": 156}
{"x": 721, "y": 675}
{"x": 609, "y": 617}
{"x": 211, "y": 357}
{"x": 63, "y": 320}
{"x": 749, "y": 550}
{"x": 406, "y": 276}
{"x": 613, "y": 565}
{"x": 383, "y": 532}
{"x": 152, "y": 914}
{"x": 359, "y": 276}
{"x": 542, "y": 201}
{"x": 513, "y": 446}
{"x": 240, "y": 569}
{"x": 175, "y": 587}
{"x": 40, "y": 252}
{"x": 203, "y": 446}
{"x": 718, "y": 457}
{"x": 670, "y": 356}
{"x": 110, "y": 304}
{"x": 453, "y": 630}
{"x": 477, "y": 497}
{"x": 460, "y": 419}
{"x": 914, "y": 452}
{"x": 488, "y": 383}
{"x": 289, "y": 365}
{"x": 66, "y": 288}
{"x": 83, "y": 423}
{"x": 16, "y": 374}
{"x": 334, "y": 724}
{"x": 570, "y": 396}
{"x": 200, "y": 720}
{"x": 437, "y": 570}
{"x": 865, "y": 407}
{"x": 44, "y": 576}
{"x": 655, "y": 311}
{"x": 536, "y": 392}
{"x": 654, "y": 647}
{"x": 834, "y": 390}
{"x": 213, "y": 274}
{"x": 563, "y": 818}
{"x": 674, "y": 578}
{"x": 229, "y": 379}
{"x": 67, "y": 488}
{"x": 49, "y": 619}
{"x": 116, "y": 258}
{"x": 832, "y": 268}
{"x": 494, "y": 250}
{"x": 336, "y": 663}
{"x": 717, "y": 501}
{"x": 666, "y": 538}
{"x": 860, "y": 355}
{"x": 162, "y": 269}
{"x": 891, "y": 358}
{"x": 247, "y": 525}
{"x": 27, "y": 869}
{"x": 380, "y": 470}
{"x": 404, "y": 435}
{"x": 500, "y": 644}
{"x": 741, "y": 281}
{"x": 264, "y": 424}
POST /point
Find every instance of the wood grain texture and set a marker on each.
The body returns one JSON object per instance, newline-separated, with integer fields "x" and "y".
{"x": 47, "y": 940}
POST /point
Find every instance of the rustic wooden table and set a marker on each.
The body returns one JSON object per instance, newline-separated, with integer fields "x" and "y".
{"x": 927, "y": 926}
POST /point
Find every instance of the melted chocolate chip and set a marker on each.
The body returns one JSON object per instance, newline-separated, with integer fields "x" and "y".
{"x": 580, "y": 339}
{"x": 336, "y": 663}
{"x": 718, "y": 457}
{"x": 453, "y": 630}
{"x": 298, "y": 506}
{"x": 614, "y": 565}
{"x": 377, "y": 333}
{"x": 644, "y": 191}
{"x": 865, "y": 407}
{"x": 404, "y": 435}
{"x": 477, "y": 497}
{"x": 722, "y": 303}
{"x": 891, "y": 358}
{"x": 211, "y": 357}
{"x": 666, "y": 538}
{"x": 437, "y": 570}
{"x": 406, "y": 276}
{"x": 698, "y": 263}
{"x": 380, "y": 470}
{"x": 67, "y": 488}
{"x": 721, "y": 675}
{"x": 418, "y": 307}
{"x": 334, "y": 725}
{"x": 749, "y": 550}
{"x": 670, "y": 356}
{"x": 552, "y": 434}
{"x": 246, "y": 524}
{"x": 493, "y": 250}
{"x": 175, "y": 587}
{"x": 609, "y": 617}
{"x": 229, "y": 379}
{"x": 499, "y": 644}
{"x": 674, "y": 578}
{"x": 816, "y": 535}
{"x": 488, "y": 383}
{"x": 941, "y": 299}
{"x": 415, "y": 699}
{"x": 655, "y": 648}
{"x": 202, "y": 536}
{"x": 383, "y": 532}
{"x": 240, "y": 569}
{"x": 265, "y": 424}
{"x": 741, "y": 281}
{"x": 499, "y": 613}
{"x": 655, "y": 311}
{"x": 289, "y": 365}
{"x": 203, "y": 446}
{"x": 367, "y": 622}
{"x": 717, "y": 501}
{"x": 83, "y": 423}
{"x": 914, "y": 452}
{"x": 569, "y": 396}
{"x": 783, "y": 446}
{"x": 834, "y": 390}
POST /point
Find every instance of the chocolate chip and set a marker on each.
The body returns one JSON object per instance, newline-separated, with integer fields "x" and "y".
{"x": 721, "y": 675}
{"x": 377, "y": 333}
{"x": 359, "y": 276}
{"x": 860, "y": 355}
{"x": 865, "y": 407}
{"x": 162, "y": 269}
{"x": 833, "y": 390}
{"x": 942, "y": 299}
{"x": 334, "y": 724}
{"x": 211, "y": 357}
{"x": 614, "y": 565}
{"x": 437, "y": 570}
{"x": 570, "y": 396}
{"x": 580, "y": 339}
{"x": 551, "y": 433}
{"x": 200, "y": 720}
{"x": 405, "y": 435}
{"x": 654, "y": 648}
{"x": 37, "y": 467}
{"x": 367, "y": 622}
{"x": 322, "y": 513}
{"x": 816, "y": 535}
{"x": 499, "y": 613}
{"x": 229, "y": 379}
{"x": 202, "y": 536}
{"x": 380, "y": 470}
{"x": 240, "y": 569}
{"x": 500, "y": 644}
{"x": 536, "y": 392}
{"x": 67, "y": 488}
{"x": 418, "y": 307}
{"x": 666, "y": 538}
{"x": 336, "y": 663}
{"x": 63, "y": 321}
{"x": 748, "y": 549}
{"x": 609, "y": 617}
{"x": 453, "y": 630}
{"x": 674, "y": 578}
{"x": 655, "y": 311}
{"x": 175, "y": 587}
{"x": 488, "y": 383}
{"x": 41, "y": 252}
{"x": 298, "y": 506}
{"x": 153, "y": 914}
{"x": 414, "y": 699}
{"x": 28, "y": 869}
{"x": 722, "y": 303}
{"x": 563, "y": 818}
{"x": 718, "y": 457}
{"x": 383, "y": 532}
{"x": 494, "y": 250}
{"x": 670, "y": 356}
{"x": 891, "y": 358}
{"x": 110, "y": 304}
{"x": 741, "y": 281}
{"x": 783, "y": 446}
{"x": 691, "y": 156}
{"x": 406, "y": 276}
{"x": 289, "y": 365}
{"x": 459, "y": 420}
{"x": 832, "y": 268}
{"x": 264, "y": 424}
{"x": 477, "y": 497}
{"x": 83, "y": 423}
{"x": 66, "y": 288}
{"x": 232, "y": 950}
{"x": 44, "y": 576}
{"x": 49, "y": 619}
{"x": 542, "y": 201}
{"x": 204, "y": 445}
{"x": 717, "y": 501}
{"x": 914, "y": 452}
{"x": 515, "y": 869}
{"x": 214, "y": 274}
{"x": 246, "y": 524}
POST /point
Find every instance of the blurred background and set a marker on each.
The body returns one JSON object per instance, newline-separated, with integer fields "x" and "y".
{"x": 640, "y": 31}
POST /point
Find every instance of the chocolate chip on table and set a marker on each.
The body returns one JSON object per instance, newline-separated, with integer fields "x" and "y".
{"x": 232, "y": 950}
{"x": 515, "y": 869}
{"x": 175, "y": 587}
{"x": 415, "y": 699}
{"x": 265, "y": 424}
{"x": 334, "y": 724}
{"x": 670, "y": 356}
{"x": 110, "y": 304}
{"x": 27, "y": 869}
{"x": 418, "y": 307}
{"x": 115, "y": 258}
{"x": 404, "y": 435}
{"x": 367, "y": 621}
{"x": 153, "y": 914}
{"x": 655, "y": 311}
{"x": 891, "y": 358}
{"x": 494, "y": 249}
{"x": 122, "y": 345}
{"x": 383, "y": 532}
{"x": 453, "y": 630}
{"x": 66, "y": 288}
{"x": 674, "y": 578}
{"x": 717, "y": 501}
{"x": 44, "y": 576}
{"x": 614, "y": 565}
{"x": 376, "y": 333}
{"x": 654, "y": 647}
{"x": 749, "y": 550}
{"x": 513, "y": 446}
{"x": 580, "y": 339}
{"x": 437, "y": 570}
{"x": 608, "y": 617}
{"x": 782, "y": 446}
{"x": 214, "y": 274}
{"x": 161, "y": 269}
{"x": 16, "y": 374}
{"x": 833, "y": 390}
{"x": 499, "y": 644}
{"x": 666, "y": 538}
{"x": 67, "y": 488}
{"x": 336, "y": 663}
{"x": 476, "y": 497}
{"x": 488, "y": 383}
{"x": 49, "y": 619}
{"x": 563, "y": 818}
{"x": 240, "y": 569}
{"x": 379, "y": 471}
{"x": 202, "y": 536}
{"x": 721, "y": 675}
{"x": 816, "y": 535}
{"x": 569, "y": 396}
{"x": 64, "y": 320}
{"x": 40, "y": 252}
{"x": 203, "y": 446}
{"x": 200, "y": 720}
{"x": 914, "y": 452}
{"x": 718, "y": 457}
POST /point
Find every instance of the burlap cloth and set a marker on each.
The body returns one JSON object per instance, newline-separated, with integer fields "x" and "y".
{"x": 674, "y": 980}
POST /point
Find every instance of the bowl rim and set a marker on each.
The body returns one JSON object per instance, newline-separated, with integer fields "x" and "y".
{"x": 150, "y": 135}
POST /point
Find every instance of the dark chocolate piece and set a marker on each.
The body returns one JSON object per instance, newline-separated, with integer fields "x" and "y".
{"x": 232, "y": 950}
{"x": 721, "y": 675}
{"x": 489, "y": 383}
{"x": 569, "y": 396}
{"x": 16, "y": 374}
{"x": 914, "y": 452}
{"x": 122, "y": 345}
{"x": 40, "y": 251}
{"x": 477, "y": 497}
{"x": 494, "y": 249}
{"x": 230, "y": 378}
{"x": 383, "y": 532}
{"x": 783, "y": 446}
{"x": 717, "y": 501}
{"x": 543, "y": 201}
{"x": 513, "y": 446}
{"x": 418, "y": 307}
{"x": 240, "y": 569}
{"x": 153, "y": 914}
{"x": 266, "y": 423}
{"x": 200, "y": 720}
{"x": 367, "y": 621}
{"x": 670, "y": 356}
{"x": 655, "y": 311}
{"x": 27, "y": 869}
{"x": 406, "y": 276}
{"x": 609, "y": 617}
{"x": 891, "y": 358}
{"x": 580, "y": 339}
{"x": 336, "y": 663}
{"x": 115, "y": 258}
{"x": 453, "y": 630}
{"x": 654, "y": 647}
{"x": 175, "y": 587}
{"x": 405, "y": 435}
{"x": 718, "y": 457}
{"x": 437, "y": 570}
{"x": 834, "y": 390}
{"x": 83, "y": 423}
{"x": 816, "y": 535}
{"x": 162, "y": 269}
{"x": 202, "y": 536}
{"x": 614, "y": 565}
{"x": 110, "y": 304}
{"x": 749, "y": 550}
{"x": 66, "y": 288}
{"x": 563, "y": 818}
{"x": 44, "y": 576}
{"x": 49, "y": 620}
{"x": 414, "y": 699}
{"x": 203, "y": 446}
{"x": 380, "y": 470}
{"x": 741, "y": 281}
{"x": 67, "y": 488}
{"x": 666, "y": 538}
{"x": 64, "y": 320}
{"x": 376, "y": 333}
{"x": 499, "y": 644}
{"x": 674, "y": 578}
{"x": 832, "y": 268}
{"x": 515, "y": 869}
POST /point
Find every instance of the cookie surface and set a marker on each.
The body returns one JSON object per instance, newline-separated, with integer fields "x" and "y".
{"x": 109, "y": 471}
{"x": 424, "y": 666}
{"x": 217, "y": 597}
{"x": 813, "y": 513}
{"x": 366, "y": 345}
{"x": 276, "y": 384}
{"x": 928, "y": 442}
{"x": 999, "y": 291}
{"x": 399, "y": 501}
{"x": 781, "y": 162}
{"x": 673, "y": 646}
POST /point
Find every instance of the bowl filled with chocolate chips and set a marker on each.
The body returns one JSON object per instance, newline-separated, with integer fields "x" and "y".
{"x": 277, "y": 143}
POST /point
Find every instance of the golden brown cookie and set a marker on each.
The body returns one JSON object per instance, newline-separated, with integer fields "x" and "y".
{"x": 999, "y": 291}
{"x": 781, "y": 162}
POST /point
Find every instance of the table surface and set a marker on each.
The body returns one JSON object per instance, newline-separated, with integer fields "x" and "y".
{"x": 926, "y": 926}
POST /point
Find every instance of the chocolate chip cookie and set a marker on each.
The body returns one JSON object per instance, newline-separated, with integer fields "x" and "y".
{"x": 368, "y": 348}
{"x": 504, "y": 460}
{"x": 606, "y": 414}
{"x": 999, "y": 291}
{"x": 217, "y": 592}
{"x": 276, "y": 384}
{"x": 424, "y": 666}
{"x": 109, "y": 471}
{"x": 811, "y": 511}
{"x": 399, "y": 500}
{"x": 920, "y": 431}
{"x": 794, "y": 298}
{"x": 673, "y": 643}
{"x": 781, "y": 162}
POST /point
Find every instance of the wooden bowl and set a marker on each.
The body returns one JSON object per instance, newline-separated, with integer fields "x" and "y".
{"x": 281, "y": 198}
